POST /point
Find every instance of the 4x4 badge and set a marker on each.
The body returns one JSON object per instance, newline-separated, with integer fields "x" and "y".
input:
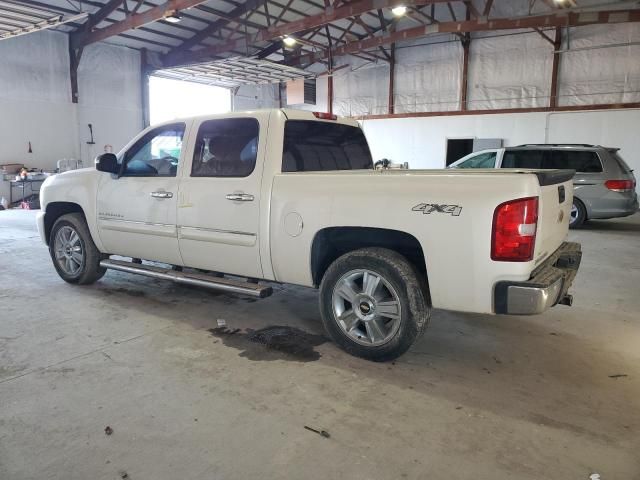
{"x": 427, "y": 208}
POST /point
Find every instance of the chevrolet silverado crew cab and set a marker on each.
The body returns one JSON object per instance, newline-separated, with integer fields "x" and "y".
{"x": 231, "y": 201}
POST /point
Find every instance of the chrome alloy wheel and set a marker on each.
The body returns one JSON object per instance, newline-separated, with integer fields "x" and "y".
{"x": 366, "y": 307}
{"x": 574, "y": 214}
{"x": 68, "y": 250}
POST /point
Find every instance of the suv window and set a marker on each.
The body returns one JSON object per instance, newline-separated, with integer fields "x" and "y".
{"x": 523, "y": 159}
{"x": 580, "y": 161}
{"x": 311, "y": 146}
{"x": 623, "y": 165}
{"x": 156, "y": 154}
{"x": 226, "y": 148}
{"x": 482, "y": 160}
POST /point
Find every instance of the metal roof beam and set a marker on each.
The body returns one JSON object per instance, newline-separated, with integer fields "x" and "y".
{"x": 559, "y": 19}
{"x": 329, "y": 15}
{"x": 215, "y": 27}
{"x": 139, "y": 19}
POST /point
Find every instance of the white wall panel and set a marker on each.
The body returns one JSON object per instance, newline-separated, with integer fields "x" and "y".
{"x": 35, "y": 99}
{"x": 364, "y": 91}
{"x": 251, "y": 97}
{"x": 110, "y": 97}
{"x": 428, "y": 77}
{"x": 511, "y": 71}
{"x": 422, "y": 141}
{"x": 601, "y": 75}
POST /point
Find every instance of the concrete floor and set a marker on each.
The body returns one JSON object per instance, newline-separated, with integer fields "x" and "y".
{"x": 478, "y": 397}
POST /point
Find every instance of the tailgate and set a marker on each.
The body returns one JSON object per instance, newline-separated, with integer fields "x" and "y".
{"x": 554, "y": 211}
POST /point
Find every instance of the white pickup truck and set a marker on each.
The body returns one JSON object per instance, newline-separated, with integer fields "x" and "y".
{"x": 231, "y": 201}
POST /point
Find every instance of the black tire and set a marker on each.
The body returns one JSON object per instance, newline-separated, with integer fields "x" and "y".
{"x": 581, "y": 214}
{"x": 90, "y": 270}
{"x": 401, "y": 277}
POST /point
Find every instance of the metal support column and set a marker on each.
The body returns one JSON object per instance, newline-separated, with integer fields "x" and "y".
{"x": 464, "y": 83}
{"x": 392, "y": 75}
{"x": 144, "y": 87}
{"x": 557, "y": 44}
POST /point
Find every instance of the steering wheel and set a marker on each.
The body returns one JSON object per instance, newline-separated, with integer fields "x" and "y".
{"x": 170, "y": 159}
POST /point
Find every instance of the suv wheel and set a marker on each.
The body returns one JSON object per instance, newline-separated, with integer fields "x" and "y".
{"x": 373, "y": 303}
{"x": 74, "y": 255}
{"x": 578, "y": 214}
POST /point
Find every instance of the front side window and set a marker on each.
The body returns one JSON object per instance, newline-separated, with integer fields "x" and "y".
{"x": 226, "y": 148}
{"x": 156, "y": 154}
{"x": 311, "y": 146}
{"x": 580, "y": 161}
{"x": 482, "y": 160}
{"x": 523, "y": 159}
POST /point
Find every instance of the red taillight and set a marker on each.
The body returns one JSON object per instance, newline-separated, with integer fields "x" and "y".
{"x": 513, "y": 236}
{"x": 325, "y": 116}
{"x": 620, "y": 185}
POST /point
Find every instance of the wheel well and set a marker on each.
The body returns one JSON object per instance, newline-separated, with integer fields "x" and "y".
{"x": 331, "y": 243}
{"x": 584, "y": 205}
{"x": 54, "y": 211}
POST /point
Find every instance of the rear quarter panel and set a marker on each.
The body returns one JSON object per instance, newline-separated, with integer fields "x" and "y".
{"x": 456, "y": 247}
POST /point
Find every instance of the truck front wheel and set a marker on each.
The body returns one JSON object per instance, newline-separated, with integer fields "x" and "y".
{"x": 75, "y": 256}
{"x": 373, "y": 303}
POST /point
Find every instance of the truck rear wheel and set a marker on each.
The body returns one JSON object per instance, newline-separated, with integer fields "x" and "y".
{"x": 373, "y": 303}
{"x": 75, "y": 256}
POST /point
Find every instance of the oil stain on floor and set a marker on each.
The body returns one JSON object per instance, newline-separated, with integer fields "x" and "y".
{"x": 272, "y": 343}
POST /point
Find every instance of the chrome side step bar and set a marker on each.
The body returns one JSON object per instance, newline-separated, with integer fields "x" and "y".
{"x": 198, "y": 279}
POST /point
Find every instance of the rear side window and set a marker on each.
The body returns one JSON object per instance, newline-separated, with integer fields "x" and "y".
{"x": 482, "y": 160}
{"x": 523, "y": 159}
{"x": 580, "y": 161}
{"x": 226, "y": 148}
{"x": 311, "y": 146}
{"x": 623, "y": 165}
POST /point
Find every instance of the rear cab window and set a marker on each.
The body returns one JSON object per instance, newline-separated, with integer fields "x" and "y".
{"x": 315, "y": 146}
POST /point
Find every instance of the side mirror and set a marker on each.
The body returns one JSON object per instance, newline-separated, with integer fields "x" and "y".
{"x": 107, "y": 162}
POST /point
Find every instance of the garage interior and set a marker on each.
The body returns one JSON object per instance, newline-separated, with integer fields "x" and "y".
{"x": 132, "y": 378}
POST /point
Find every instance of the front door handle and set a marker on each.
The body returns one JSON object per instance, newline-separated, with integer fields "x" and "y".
{"x": 162, "y": 194}
{"x": 240, "y": 197}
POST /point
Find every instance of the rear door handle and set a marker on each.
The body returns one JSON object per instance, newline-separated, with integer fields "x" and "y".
{"x": 240, "y": 197}
{"x": 162, "y": 194}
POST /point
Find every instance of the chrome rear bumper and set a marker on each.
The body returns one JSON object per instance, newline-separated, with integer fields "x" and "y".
{"x": 547, "y": 286}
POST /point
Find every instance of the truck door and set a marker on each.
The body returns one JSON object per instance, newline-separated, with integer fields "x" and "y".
{"x": 137, "y": 210}
{"x": 219, "y": 199}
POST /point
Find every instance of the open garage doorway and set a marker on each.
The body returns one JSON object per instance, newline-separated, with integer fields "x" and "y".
{"x": 458, "y": 148}
{"x": 170, "y": 99}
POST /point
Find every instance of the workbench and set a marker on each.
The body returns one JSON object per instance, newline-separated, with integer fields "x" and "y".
{"x": 23, "y": 185}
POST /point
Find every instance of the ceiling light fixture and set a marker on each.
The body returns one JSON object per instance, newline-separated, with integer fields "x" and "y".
{"x": 289, "y": 41}
{"x": 399, "y": 11}
{"x": 173, "y": 16}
